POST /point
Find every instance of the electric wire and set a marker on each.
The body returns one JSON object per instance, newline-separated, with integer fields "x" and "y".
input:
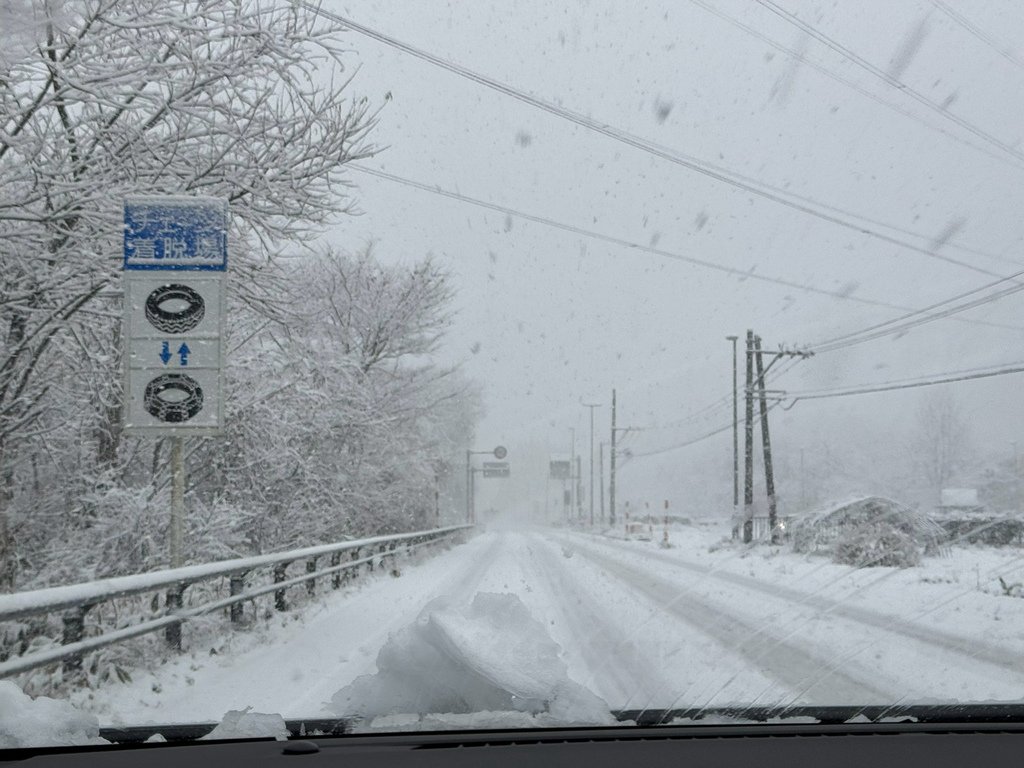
{"x": 888, "y": 79}
{"x": 824, "y": 70}
{"x": 636, "y": 142}
{"x": 978, "y": 32}
{"x": 918, "y": 317}
{"x": 932, "y": 380}
{"x": 583, "y": 232}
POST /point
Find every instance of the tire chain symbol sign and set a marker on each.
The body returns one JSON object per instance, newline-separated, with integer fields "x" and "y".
{"x": 179, "y": 319}
{"x": 178, "y": 409}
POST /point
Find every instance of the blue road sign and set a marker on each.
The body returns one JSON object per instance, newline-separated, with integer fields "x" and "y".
{"x": 186, "y": 233}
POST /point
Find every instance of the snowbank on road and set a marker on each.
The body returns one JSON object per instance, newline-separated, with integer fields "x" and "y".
{"x": 244, "y": 724}
{"x": 492, "y": 660}
{"x": 43, "y": 722}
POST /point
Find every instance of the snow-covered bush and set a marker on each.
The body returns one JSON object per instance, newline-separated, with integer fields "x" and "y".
{"x": 867, "y": 531}
{"x": 878, "y": 544}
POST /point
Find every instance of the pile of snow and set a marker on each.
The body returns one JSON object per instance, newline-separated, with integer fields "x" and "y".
{"x": 867, "y": 530}
{"x": 489, "y": 665}
{"x": 43, "y": 722}
{"x": 244, "y": 724}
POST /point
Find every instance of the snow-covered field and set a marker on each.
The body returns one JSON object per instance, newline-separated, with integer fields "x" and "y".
{"x": 636, "y": 624}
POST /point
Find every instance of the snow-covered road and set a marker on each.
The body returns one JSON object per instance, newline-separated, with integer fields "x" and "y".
{"x": 638, "y": 625}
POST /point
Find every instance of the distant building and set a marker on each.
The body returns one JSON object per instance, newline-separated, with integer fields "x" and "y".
{"x": 956, "y": 502}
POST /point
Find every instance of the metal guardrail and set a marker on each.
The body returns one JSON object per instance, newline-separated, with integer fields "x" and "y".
{"x": 77, "y": 599}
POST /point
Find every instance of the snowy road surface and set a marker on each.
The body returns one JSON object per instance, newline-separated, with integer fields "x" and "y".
{"x": 638, "y": 625}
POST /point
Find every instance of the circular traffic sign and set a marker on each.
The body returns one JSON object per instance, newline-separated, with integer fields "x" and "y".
{"x": 175, "y": 308}
{"x": 173, "y": 397}
{"x": 500, "y": 452}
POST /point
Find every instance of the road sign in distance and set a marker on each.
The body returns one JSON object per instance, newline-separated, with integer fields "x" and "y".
{"x": 500, "y": 452}
{"x": 560, "y": 469}
{"x": 496, "y": 469}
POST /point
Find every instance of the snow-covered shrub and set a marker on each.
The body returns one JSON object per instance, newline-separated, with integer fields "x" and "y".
{"x": 867, "y": 531}
{"x": 878, "y": 544}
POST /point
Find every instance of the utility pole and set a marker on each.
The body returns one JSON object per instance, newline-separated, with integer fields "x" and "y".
{"x": 766, "y": 444}
{"x": 601, "y": 477}
{"x": 748, "y": 456}
{"x": 1016, "y": 478}
{"x": 591, "y": 406}
{"x": 611, "y": 487}
{"x": 735, "y": 444}
{"x": 573, "y": 487}
{"x": 579, "y": 488}
{"x": 469, "y": 486}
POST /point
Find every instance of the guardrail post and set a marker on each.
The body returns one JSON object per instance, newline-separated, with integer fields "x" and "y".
{"x": 311, "y": 568}
{"x": 237, "y": 586}
{"x": 279, "y": 574}
{"x": 353, "y": 572}
{"x": 74, "y": 632}
{"x": 173, "y": 601}
{"x": 336, "y": 576}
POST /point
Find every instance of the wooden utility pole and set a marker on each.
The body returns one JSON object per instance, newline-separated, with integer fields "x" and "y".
{"x": 766, "y": 444}
{"x": 611, "y": 488}
{"x": 748, "y": 427}
{"x": 735, "y": 445}
{"x": 469, "y": 486}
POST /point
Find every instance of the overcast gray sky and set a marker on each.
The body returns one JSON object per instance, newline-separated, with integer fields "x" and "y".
{"x": 547, "y": 318}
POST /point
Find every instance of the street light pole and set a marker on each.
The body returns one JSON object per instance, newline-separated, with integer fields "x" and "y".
{"x": 591, "y": 406}
{"x": 735, "y": 440}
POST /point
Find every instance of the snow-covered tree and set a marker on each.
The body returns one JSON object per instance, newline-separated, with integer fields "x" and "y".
{"x": 102, "y": 99}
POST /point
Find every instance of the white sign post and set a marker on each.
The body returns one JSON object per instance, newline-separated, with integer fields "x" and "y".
{"x": 175, "y": 259}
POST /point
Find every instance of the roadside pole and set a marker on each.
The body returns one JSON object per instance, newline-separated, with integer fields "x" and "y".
{"x": 611, "y": 487}
{"x": 735, "y": 445}
{"x": 469, "y": 486}
{"x": 748, "y": 467}
{"x": 766, "y": 444}
{"x": 177, "y": 501}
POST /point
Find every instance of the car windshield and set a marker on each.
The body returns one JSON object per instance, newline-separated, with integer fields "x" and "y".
{"x": 388, "y": 367}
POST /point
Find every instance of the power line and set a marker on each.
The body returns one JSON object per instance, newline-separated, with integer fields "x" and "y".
{"x": 978, "y": 32}
{"x": 918, "y": 317}
{"x": 890, "y": 386}
{"x": 580, "y": 231}
{"x": 824, "y": 70}
{"x": 617, "y": 134}
{"x": 886, "y": 77}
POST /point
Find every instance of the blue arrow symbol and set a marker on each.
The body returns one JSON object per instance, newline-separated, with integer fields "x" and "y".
{"x": 165, "y": 353}
{"x": 184, "y": 351}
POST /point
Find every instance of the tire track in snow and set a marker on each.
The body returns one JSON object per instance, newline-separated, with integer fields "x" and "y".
{"x": 460, "y": 586}
{"x": 796, "y": 668}
{"x": 1005, "y": 659}
{"x": 604, "y": 647}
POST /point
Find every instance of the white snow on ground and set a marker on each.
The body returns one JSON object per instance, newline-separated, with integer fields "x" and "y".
{"x": 490, "y": 657}
{"x": 43, "y": 722}
{"x": 295, "y": 662}
{"x": 698, "y": 624}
